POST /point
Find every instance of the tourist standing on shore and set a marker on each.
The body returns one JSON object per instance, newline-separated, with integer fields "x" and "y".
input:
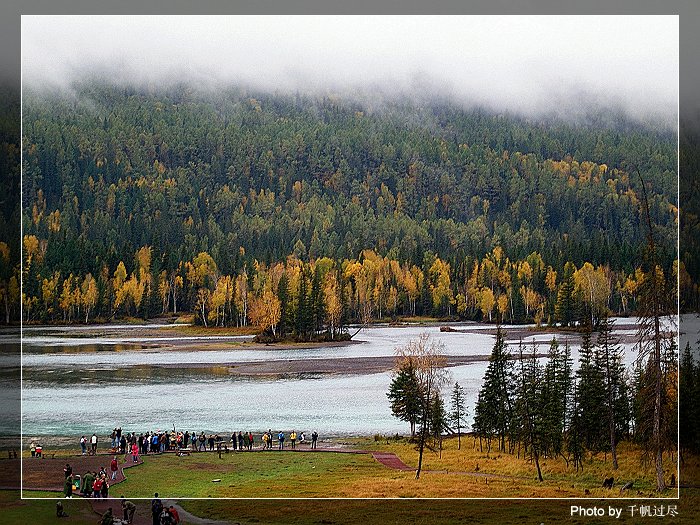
{"x": 114, "y": 467}
{"x": 250, "y": 441}
{"x": 293, "y": 439}
{"x": 135, "y": 453}
{"x": 67, "y": 470}
{"x": 83, "y": 445}
{"x": 115, "y": 441}
{"x": 240, "y": 441}
{"x": 93, "y": 444}
{"x": 314, "y": 439}
{"x": 269, "y": 441}
{"x": 97, "y": 487}
{"x": 86, "y": 484}
{"x": 280, "y": 438}
{"x": 68, "y": 486}
{"x": 302, "y": 438}
{"x": 104, "y": 489}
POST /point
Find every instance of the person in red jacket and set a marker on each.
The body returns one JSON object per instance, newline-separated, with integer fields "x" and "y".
{"x": 114, "y": 467}
{"x": 135, "y": 452}
{"x": 97, "y": 487}
{"x": 174, "y": 514}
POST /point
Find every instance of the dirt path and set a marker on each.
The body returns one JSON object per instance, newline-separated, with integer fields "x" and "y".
{"x": 391, "y": 460}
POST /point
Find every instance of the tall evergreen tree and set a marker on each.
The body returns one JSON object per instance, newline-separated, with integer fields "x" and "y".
{"x": 610, "y": 357}
{"x": 458, "y": 412}
{"x": 591, "y": 391}
{"x": 529, "y": 411}
{"x": 404, "y": 394}
{"x": 493, "y": 413}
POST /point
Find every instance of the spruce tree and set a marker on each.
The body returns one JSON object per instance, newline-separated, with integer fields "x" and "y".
{"x": 458, "y": 413}
{"x": 610, "y": 357}
{"x": 529, "y": 411}
{"x": 493, "y": 413}
{"x": 591, "y": 389}
{"x": 404, "y": 395}
{"x": 564, "y": 307}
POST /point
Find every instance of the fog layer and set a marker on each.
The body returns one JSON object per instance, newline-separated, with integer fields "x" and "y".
{"x": 533, "y": 65}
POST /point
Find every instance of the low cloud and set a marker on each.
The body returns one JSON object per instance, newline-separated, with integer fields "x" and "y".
{"x": 534, "y": 66}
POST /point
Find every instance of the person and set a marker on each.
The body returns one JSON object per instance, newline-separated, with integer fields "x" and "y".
{"x": 67, "y": 470}
{"x": 165, "y": 517}
{"x": 175, "y": 515}
{"x": 186, "y": 439}
{"x": 114, "y": 438}
{"x": 234, "y": 441}
{"x": 104, "y": 487}
{"x": 68, "y": 486}
{"x": 129, "y": 510}
{"x": 314, "y": 439}
{"x": 302, "y": 438}
{"x": 114, "y": 468}
{"x": 97, "y": 487}
{"x": 280, "y": 437}
{"x": 107, "y": 517}
{"x": 87, "y": 480}
{"x": 39, "y": 451}
{"x": 293, "y": 439}
{"x": 250, "y": 440}
{"x": 135, "y": 452}
{"x": 83, "y": 445}
{"x": 202, "y": 442}
{"x": 269, "y": 441}
{"x": 60, "y": 513}
{"x": 156, "y": 509}
{"x": 93, "y": 444}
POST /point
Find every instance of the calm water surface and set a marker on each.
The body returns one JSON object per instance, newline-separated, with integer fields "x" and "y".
{"x": 74, "y": 386}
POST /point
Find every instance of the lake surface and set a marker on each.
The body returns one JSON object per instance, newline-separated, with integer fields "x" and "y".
{"x": 79, "y": 385}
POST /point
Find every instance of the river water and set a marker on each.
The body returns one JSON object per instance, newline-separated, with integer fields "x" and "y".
{"x": 80, "y": 385}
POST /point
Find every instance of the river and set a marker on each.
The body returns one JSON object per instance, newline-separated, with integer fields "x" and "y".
{"x": 75, "y": 386}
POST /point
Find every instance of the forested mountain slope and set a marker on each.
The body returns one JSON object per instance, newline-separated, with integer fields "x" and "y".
{"x": 253, "y": 178}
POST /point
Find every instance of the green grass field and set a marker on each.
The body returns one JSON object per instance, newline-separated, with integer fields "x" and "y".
{"x": 465, "y": 473}
{"x": 251, "y": 475}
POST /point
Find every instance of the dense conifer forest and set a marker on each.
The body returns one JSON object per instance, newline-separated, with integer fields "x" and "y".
{"x": 301, "y": 213}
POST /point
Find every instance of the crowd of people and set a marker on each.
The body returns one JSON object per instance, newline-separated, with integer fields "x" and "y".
{"x": 92, "y": 484}
{"x": 129, "y": 443}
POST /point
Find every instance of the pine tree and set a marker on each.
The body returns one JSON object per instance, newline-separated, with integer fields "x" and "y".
{"x": 610, "y": 356}
{"x": 564, "y": 307}
{"x": 438, "y": 421}
{"x": 591, "y": 389}
{"x": 493, "y": 413}
{"x": 529, "y": 411}
{"x": 404, "y": 395}
{"x": 555, "y": 390}
{"x": 458, "y": 413}
{"x": 688, "y": 409}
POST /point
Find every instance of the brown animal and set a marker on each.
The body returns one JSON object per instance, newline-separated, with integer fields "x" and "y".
{"x": 608, "y": 482}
